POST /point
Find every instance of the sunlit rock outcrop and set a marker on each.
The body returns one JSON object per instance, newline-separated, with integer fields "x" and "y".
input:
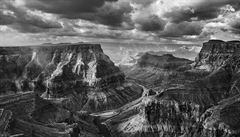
{"x": 57, "y": 71}
{"x": 57, "y": 82}
{"x": 215, "y": 53}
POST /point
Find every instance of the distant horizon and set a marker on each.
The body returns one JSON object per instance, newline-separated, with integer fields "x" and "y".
{"x": 128, "y": 43}
{"x": 95, "y": 41}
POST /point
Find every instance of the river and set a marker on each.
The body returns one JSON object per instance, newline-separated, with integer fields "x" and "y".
{"x": 103, "y": 130}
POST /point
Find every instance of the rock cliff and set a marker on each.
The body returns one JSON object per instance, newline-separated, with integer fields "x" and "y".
{"x": 215, "y": 53}
{"x": 84, "y": 63}
{"x": 63, "y": 70}
{"x": 166, "y": 61}
{"x": 201, "y": 101}
{"x": 152, "y": 70}
{"x": 52, "y": 83}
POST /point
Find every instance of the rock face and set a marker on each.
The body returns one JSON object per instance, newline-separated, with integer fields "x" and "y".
{"x": 55, "y": 82}
{"x": 84, "y": 63}
{"x": 5, "y": 117}
{"x": 215, "y": 53}
{"x": 58, "y": 71}
{"x": 166, "y": 61}
{"x": 204, "y": 106}
{"x": 152, "y": 70}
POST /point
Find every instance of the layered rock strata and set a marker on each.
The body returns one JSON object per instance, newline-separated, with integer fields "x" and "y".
{"x": 47, "y": 86}
{"x": 215, "y": 53}
{"x": 153, "y": 70}
{"x": 206, "y": 106}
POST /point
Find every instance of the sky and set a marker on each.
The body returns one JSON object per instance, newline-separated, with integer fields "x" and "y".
{"x": 24, "y": 22}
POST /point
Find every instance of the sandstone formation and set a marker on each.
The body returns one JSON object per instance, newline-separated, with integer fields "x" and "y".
{"x": 51, "y": 89}
{"x": 68, "y": 90}
{"x": 153, "y": 70}
{"x": 166, "y": 61}
{"x": 201, "y": 101}
{"x": 215, "y": 53}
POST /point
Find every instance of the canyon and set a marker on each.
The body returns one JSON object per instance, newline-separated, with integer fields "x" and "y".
{"x": 195, "y": 99}
{"x": 75, "y": 90}
{"x": 50, "y": 90}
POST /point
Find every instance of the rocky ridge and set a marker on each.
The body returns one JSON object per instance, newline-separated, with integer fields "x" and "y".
{"x": 215, "y": 53}
{"x": 60, "y": 85}
{"x": 203, "y": 106}
{"x": 166, "y": 61}
{"x": 153, "y": 70}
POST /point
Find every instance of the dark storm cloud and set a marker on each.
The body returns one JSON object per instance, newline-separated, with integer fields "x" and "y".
{"x": 207, "y": 9}
{"x": 5, "y": 19}
{"x": 111, "y": 14}
{"x": 187, "y": 14}
{"x": 151, "y": 23}
{"x": 183, "y": 28}
{"x": 23, "y": 21}
{"x": 66, "y": 7}
{"x": 107, "y": 12}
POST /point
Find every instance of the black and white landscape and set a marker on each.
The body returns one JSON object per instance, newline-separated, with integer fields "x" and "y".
{"x": 119, "y": 68}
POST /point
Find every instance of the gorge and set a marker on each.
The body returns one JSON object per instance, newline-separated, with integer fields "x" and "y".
{"x": 75, "y": 90}
{"x": 197, "y": 99}
{"x": 52, "y": 89}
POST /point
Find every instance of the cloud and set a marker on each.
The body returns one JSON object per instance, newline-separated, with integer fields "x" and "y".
{"x": 201, "y": 10}
{"x": 236, "y": 26}
{"x": 24, "y": 20}
{"x": 6, "y": 17}
{"x": 143, "y": 2}
{"x": 107, "y": 12}
{"x": 151, "y": 23}
{"x": 149, "y": 20}
{"x": 181, "y": 29}
{"x": 110, "y": 14}
{"x": 234, "y": 23}
{"x": 66, "y": 7}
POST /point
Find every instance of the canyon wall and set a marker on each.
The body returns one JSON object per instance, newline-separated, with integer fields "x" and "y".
{"x": 204, "y": 106}
{"x": 215, "y": 53}
{"x": 46, "y": 86}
